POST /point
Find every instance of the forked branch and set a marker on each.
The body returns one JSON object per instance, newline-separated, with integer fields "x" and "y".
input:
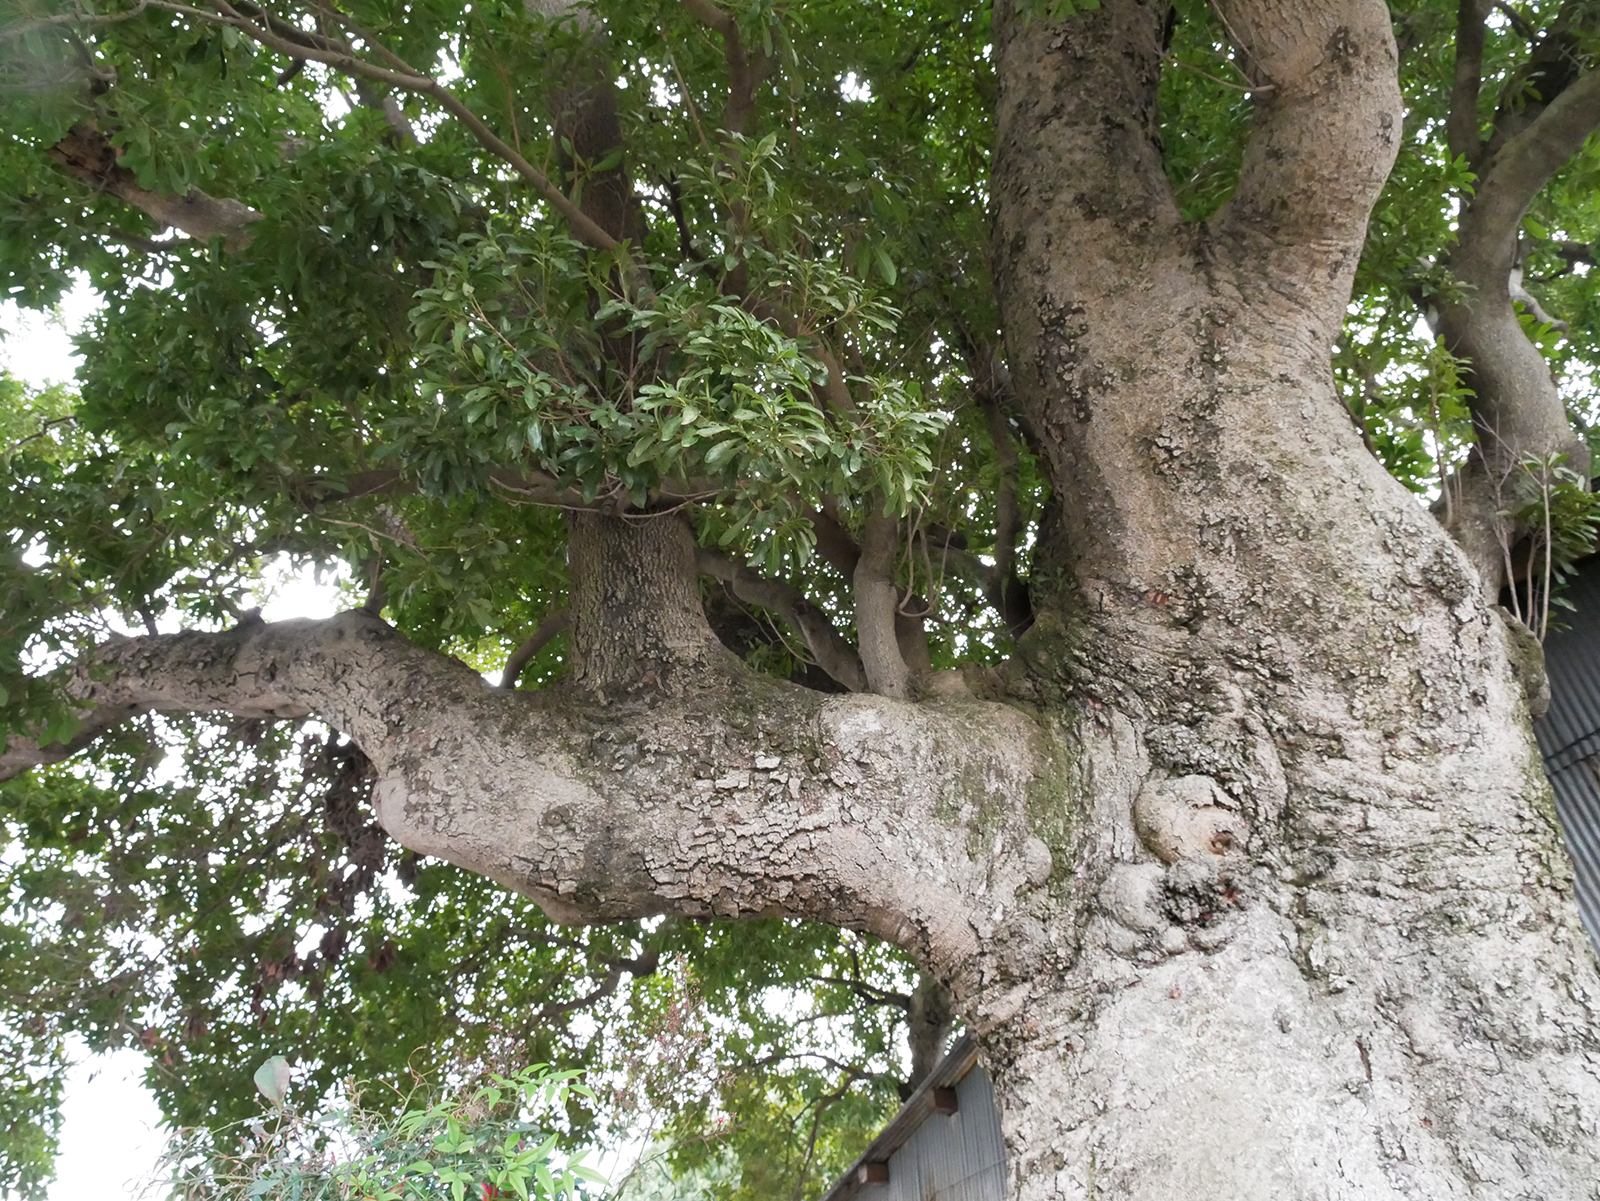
{"x": 829, "y": 648}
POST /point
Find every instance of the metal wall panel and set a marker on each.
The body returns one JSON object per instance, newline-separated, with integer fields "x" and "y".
{"x": 1569, "y": 735}
{"x": 950, "y": 1157}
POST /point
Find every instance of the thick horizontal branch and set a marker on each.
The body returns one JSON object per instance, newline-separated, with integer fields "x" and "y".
{"x": 745, "y": 797}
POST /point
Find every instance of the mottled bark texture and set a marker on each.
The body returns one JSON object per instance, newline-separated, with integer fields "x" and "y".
{"x": 89, "y": 154}
{"x": 1318, "y": 934}
{"x": 635, "y": 609}
{"x": 1246, "y": 877}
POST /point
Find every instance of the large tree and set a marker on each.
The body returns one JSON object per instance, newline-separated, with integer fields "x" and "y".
{"x": 950, "y": 531}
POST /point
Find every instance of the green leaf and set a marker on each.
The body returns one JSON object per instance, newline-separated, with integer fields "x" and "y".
{"x": 272, "y": 1080}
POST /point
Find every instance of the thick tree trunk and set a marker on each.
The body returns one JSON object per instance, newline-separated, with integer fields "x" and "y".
{"x": 1320, "y": 928}
{"x": 1252, "y": 889}
{"x": 635, "y": 611}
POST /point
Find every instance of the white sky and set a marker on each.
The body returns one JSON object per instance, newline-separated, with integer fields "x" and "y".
{"x": 110, "y": 1140}
{"x": 37, "y": 348}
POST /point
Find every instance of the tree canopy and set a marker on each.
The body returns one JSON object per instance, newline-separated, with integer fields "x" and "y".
{"x": 393, "y": 291}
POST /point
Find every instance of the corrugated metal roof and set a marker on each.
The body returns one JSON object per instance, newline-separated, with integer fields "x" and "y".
{"x": 930, "y": 1153}
{"x": 1569, "y": 735}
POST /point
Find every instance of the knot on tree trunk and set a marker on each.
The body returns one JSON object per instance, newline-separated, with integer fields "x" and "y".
{"x": 637, "y": 621}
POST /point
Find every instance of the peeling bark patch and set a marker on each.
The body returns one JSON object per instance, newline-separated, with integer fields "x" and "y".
{"x": 1062, "y": 363}
{"x": 1342, "y": 50}
{"x": 1194, "y": 895}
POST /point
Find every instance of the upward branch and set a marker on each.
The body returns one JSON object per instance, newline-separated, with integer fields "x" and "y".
{"x": 1522, "y": 166}
{"x": 1081, "y": 95}
{"x": 1463, "y": 138}
{"x": 746, "y": 70}
{"x": 1324, "y": 139}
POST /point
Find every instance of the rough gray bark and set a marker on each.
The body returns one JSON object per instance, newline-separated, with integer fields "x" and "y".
{"x": 1320, "y": 938}
{"x": 1246, "y": 879}
{"x": 738, "y": 796}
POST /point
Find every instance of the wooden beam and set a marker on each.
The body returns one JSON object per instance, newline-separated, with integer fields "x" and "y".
{"x": 963, "y": 1057}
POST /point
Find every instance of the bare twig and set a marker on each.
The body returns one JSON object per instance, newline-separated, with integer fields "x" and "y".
{"x": 1239, "y": 42}
{"x": 44, "y": 428}
{"x": 1227, "y": 83}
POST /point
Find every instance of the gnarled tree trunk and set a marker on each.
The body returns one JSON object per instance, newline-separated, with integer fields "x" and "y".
{"x": 1319, "y": 940}
{"x": 1245, "y": 875}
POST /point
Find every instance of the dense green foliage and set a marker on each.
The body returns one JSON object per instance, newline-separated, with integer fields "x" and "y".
{"x": 357, "y": 386}
{"x": 496, "y": 1138}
